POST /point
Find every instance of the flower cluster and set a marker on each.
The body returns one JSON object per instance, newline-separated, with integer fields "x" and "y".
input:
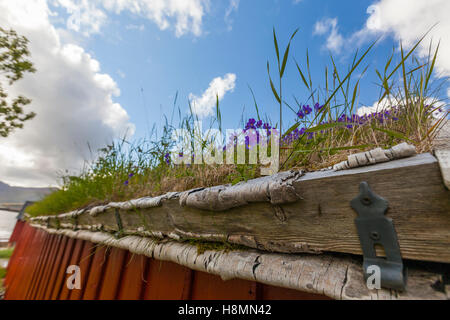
{"x": 306, "y": 110}
{"x": 127, "y": 182}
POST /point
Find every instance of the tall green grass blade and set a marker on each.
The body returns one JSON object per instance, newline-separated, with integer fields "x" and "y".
{"x": 286, "y": 54}
{"x": 326, "y": 126}
{"x": 430, "y": 71}
{"x": 302, "y": 75}
{"x": 275, "y": 93}
{"x": 254, "y": 101}
{"x": 393, "y": 133}
{"x": 292, "y": 128}
{"x": 276, "y": 47}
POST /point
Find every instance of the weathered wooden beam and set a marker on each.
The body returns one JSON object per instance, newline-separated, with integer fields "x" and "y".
{"x": 291, "y": 212}
{"x": 338, "y": 277}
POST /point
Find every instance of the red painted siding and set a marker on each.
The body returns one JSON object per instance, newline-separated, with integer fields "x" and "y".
{"x": 37, "y": 270}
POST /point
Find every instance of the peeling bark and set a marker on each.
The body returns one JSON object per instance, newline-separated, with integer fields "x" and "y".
{"x": 261, "y": 215}
{"x": 377, "y": 155}
{"x": 335, "y": 277}
{"x": 276, "y": 189}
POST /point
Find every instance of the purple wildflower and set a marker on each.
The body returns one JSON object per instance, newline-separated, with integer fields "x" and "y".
{"x": 167, "y": 158}
{"x": 318, "y": 107}
{"x": 307, "y": 109}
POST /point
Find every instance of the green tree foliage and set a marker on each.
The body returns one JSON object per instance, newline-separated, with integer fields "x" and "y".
{"x": 14, "y": 64}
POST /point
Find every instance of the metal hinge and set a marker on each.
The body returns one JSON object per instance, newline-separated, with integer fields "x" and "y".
{"x": 374, "y": 228}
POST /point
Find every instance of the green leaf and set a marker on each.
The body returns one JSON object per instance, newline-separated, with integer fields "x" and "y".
{"x": 430, "y": 71}
{"x": 276, "y": 46}
{"x": 254, "y": 101}
{"x": 363, "y": 146}
{"x": 295, "y": 126}
{"x": 393, "y": 133}
{"x": 283, "y": 65}
{"x": 326, "y": 126}
{"x": 275, "y": 93}
{"x": 345, "y": 79}
{"x": 302, "y": 75}
{"x": 286, "y": 54}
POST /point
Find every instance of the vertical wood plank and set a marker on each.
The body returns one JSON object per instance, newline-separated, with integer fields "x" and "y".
{"x": 74, "y": 260}
{"x": 206, "y": 286}
{"x": 61, "y": 273}
{"x": 48, "y": 267}
{"x": 113, "y": 272}
{"x": 162, "y": 273}
{"x": 55, "y": 268}
{"x": 85, "y": 266}
{"x": 15, "y": 274}
{"x": 43, "y": 264}
{"x": 17, "y": 232}
{"x": 133, "y": 277}
{"x": 96, "y": 272}
{"x": 18, "y": 254}
{"x": 32, "y": 268}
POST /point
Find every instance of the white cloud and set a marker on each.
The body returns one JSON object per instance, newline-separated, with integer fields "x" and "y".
{"x": 334, "y": 40}
{"x": 376, "y": 107}
{"x": 73, "y": 100}
{"x": 204, "y": 106}
{"x": 389, "y": 102}
{"x": 183, "y": 16}
{"x": 408, "y": 20}
{"x": 405, "y": 20}
{"x": 233, "y": 6}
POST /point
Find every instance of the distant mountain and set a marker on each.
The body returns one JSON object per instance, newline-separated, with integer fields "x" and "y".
{"x": 9, "y": 194}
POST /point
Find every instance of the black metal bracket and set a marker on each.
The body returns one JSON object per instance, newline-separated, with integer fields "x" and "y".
{"x": 374, "y": 228}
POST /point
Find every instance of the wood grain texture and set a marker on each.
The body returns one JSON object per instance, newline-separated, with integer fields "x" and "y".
{"x": 321, "y": 221}
{"x": 336, "y": 276}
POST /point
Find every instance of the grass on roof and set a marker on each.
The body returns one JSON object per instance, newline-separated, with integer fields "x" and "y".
{"x": 323, "y": 130}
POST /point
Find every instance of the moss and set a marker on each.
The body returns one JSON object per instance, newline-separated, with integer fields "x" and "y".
{"x": 203, "y": 246}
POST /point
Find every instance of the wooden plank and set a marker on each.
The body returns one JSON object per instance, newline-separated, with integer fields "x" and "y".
{"x": 277, "y": 293}
{"x": 74, "y": 260}
{"x": 16, "y": 266}
{"x": 17, "y": 255}
{"x": 15, "y": 236}
{"x": 336, "y": 276}
{"x": 96, "y": 273}
{"x": 37, "y": 270}
{"x": 60, "y": 281}
{"x": 29, "y": 263}
{"x": 321, "y": 221}
{"x": 43, "y": 277}
{"x": 443, "y": 157}
{"x": 211, "y": 287}
{"x": 160, "y": 273}
{"x": 133, "y": 277}
{"x": 113, "y": 274}
{"x": 56, "y": 267}
{"x": 85, "y": 266}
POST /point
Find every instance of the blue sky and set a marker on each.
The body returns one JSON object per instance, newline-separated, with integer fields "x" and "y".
{"x": 150, "y": 65}
{"x": 106, "y": 67}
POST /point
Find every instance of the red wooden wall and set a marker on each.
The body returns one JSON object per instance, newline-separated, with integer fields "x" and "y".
{"x": 37, "y": 271}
